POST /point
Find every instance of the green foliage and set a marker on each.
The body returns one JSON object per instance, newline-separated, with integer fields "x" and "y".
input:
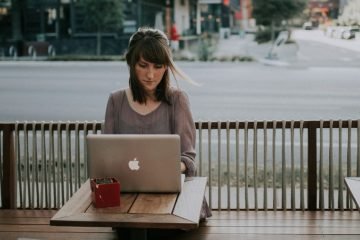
{"x": 101, "y": 16}
{"x": 104, "y": 15}
{"x": 266, "y": 11}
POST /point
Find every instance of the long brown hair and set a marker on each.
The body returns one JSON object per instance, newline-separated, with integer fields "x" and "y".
{"x": 153, "y": 46}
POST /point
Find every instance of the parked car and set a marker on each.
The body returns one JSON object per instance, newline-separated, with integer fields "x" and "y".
{"x": 308, "y": 26}
{"x": 349, "y": 32}
{"x": 342, "y": 32}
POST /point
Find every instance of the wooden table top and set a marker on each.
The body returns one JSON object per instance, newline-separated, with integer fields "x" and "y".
{"x": 137, "y": 210}
{"x": 353, "y": 184}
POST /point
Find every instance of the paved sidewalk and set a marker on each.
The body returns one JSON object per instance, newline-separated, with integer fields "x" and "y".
{"x": 319, "y": 36}
{"x": 246, "y": 46}
{"x": 287, "y": 53}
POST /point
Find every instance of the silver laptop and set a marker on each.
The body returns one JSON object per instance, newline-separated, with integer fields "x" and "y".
{"x": 141, "y": 163}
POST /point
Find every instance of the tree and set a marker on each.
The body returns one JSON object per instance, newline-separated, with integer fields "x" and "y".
{"x": 271, "y": 13}
{"x": 102, "y": 16}
{"x": 351, "y": 14}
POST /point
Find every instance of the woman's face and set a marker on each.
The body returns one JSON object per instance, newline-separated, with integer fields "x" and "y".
{"x": 149, "y": 74}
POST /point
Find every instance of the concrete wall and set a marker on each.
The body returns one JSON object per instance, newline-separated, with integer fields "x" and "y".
{"x": 181, "y": 15}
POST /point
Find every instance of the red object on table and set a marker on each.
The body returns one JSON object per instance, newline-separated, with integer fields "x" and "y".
{"x": 105, "y": 192}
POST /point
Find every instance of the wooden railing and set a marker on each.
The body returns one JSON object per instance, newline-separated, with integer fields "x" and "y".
{"x": 269, "y": 165}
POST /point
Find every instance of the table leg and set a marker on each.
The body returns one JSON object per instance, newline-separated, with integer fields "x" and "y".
{"x": 138, "y": 233}
{"x": 132, "y": 233}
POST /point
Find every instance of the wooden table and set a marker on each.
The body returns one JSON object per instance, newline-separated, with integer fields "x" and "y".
{"x": 353, "y": 184}
{"x": 138, "y": 212}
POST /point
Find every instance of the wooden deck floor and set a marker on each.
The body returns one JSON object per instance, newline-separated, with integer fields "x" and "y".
{"x": 226, "y": 225}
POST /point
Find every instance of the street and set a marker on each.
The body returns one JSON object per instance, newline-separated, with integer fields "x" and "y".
{"x": 321, "y": 84}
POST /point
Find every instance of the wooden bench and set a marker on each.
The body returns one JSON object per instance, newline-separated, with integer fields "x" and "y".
{"x": 229, "y": 225}
{"x": 34, "y": 224}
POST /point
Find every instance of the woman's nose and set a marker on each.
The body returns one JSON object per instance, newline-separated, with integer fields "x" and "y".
{"x": 150, "y": 72}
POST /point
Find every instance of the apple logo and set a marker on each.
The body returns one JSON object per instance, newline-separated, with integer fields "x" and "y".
{"x": 134, "y": 165}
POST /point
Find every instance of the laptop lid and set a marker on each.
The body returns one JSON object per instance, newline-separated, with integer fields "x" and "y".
{"x": 141, "y": 163}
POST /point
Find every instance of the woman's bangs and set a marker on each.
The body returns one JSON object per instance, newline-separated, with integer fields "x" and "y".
{"x": 155, "y": 53}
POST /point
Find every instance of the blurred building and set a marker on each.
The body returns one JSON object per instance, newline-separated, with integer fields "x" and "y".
{"x": 219, "y": 15}
{"x": 60, "y": 23}
{"x": 322, "y": 11}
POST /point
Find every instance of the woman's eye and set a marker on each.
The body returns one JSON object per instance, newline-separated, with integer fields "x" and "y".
{"x": 159, "y": 65}
{"x": 142, "y": 65}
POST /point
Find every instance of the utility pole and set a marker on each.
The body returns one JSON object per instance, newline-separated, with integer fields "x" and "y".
{"x": 244, "y": 13}
{"x": 198, "y": 18}
{"x": 139, "y": 13}
{"x": 168, "y": 17}
{"x": 57, "y": 23}
{"x": 72, "y": 18}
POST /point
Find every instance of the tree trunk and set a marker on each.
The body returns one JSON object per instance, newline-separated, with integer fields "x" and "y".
{"x": 16, "y": 12}
{"x": 57, "y": 23}
{"x": 272, "y": 29}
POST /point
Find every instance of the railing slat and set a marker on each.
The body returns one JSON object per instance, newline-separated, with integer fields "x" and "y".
{"x": 8, "y": 188}
{"x": 77, "y": 156}
{"x": 302, "y": 197}
{"x": 246, "y": 137}
{"x": 35, "y": 176}
{"x": 348, "y": 169}
{"x": 321, "y": 167}
{"x": 228, "y": 163}
{"x": 237, "y": 159}
{"x": 219, "y": 166}
{"x": 69, "y": 178}
{"x": 283, "y": 166}
{"x": 340, "y": 171}
{"x": 27, "y": 169}
{"x": 200, "y": 149}
{"x": 331, "y": 176}
{"x": 312, "y": 172}
{"x": 293, "y": 207}
{"x": 274, "y": 165}
{"x": 210, "y": 165}
{"x": 265, "y": 167}
{"x": 52, "y": 172}
{"x": 255, "y": 160}
{"x": 43, "y": 188}
{"x": 60, "y": 166}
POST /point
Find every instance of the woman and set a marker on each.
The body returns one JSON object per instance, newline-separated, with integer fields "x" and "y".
{"x": 150, "y": 105}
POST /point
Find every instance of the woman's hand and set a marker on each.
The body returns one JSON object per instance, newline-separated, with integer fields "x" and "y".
{"x": 182, "y": 167}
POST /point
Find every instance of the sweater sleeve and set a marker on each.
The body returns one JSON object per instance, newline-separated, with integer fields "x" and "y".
{"x": 185, "y": 128}
{"x": 109, "y": 116}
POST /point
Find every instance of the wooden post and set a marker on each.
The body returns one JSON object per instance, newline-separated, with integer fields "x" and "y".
{"x": 312, "y": 170}
{"x": 9, "y": 167}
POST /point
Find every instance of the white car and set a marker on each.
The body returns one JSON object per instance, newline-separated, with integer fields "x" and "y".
{"x": 349, "y": 32}
{"x": 307, "y": 26}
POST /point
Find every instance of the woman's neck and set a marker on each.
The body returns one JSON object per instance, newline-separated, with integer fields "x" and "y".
{"x": 143, "y": 108}
{"x": 151, "y": 96}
